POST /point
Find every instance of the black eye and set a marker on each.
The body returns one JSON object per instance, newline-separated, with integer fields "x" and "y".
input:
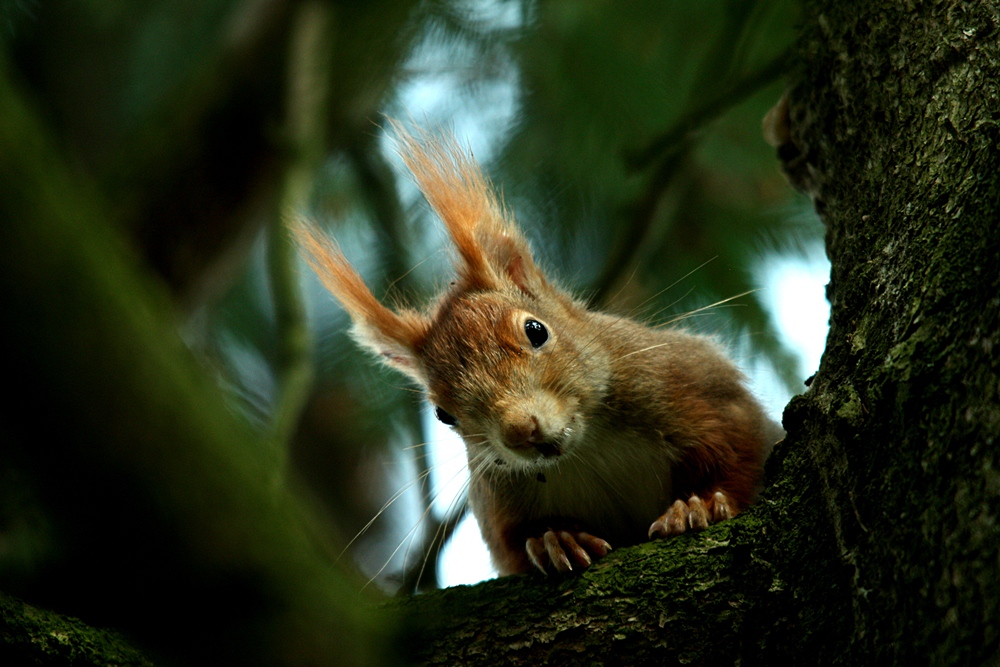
{"x": 444, "y": 417}
{"x": 536, "y": 332}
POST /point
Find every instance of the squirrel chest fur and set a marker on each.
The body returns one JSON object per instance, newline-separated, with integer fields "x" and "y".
{"x": 583, "y": 429}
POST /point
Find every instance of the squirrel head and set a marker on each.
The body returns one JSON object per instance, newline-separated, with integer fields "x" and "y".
{"x": 507, "y": 359}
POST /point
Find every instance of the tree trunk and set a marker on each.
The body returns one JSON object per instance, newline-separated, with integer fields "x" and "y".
{"x": 878, "y": 536}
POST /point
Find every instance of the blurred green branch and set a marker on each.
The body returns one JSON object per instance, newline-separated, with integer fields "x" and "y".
{"x": 633, "y": 245}
{"x": 309, "y": 71}
{"x": 666, "y": 144}
{"x": 172, "y": 527}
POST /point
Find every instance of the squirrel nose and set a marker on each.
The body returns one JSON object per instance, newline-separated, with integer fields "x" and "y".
{"x": 522, "y": 433}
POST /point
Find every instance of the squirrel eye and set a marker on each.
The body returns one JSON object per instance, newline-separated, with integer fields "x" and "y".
{"x": 536, "y": 332}
{"x": 444, "y": 417}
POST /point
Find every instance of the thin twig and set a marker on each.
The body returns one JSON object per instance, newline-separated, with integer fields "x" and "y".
{"x": 704, "y": 113}
{"x": 629, "y": 247}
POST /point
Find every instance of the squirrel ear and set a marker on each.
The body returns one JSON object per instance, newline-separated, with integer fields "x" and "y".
{"x": 455, "y": 187}
{"x": 393, "y": 351}
{"x": 510, "y": 255}
{"x": 393, "y": 336}
{"x": 491, "y": 247}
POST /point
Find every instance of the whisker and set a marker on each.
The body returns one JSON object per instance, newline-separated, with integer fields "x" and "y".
{"x": 388, "y": 288}
{"x": 407, "y": 539}
{"x": 646, "y": 349}
{"x": 673, "y": 284}
{"x": 406, "y": 487}
{"x": 717, "y": 306}
{"x": 435, "y": 441}
{"x": 423, "y": 456}
{"x": 409, "y": 389}
{"x": 620, "y": 289}
{"x": 709, "y": 306}
{"x": 438, "y": 538}
{"x": 669, "y": 305}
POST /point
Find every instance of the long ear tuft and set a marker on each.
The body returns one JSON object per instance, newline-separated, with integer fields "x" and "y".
{"x": 393, "y": 336}
{"x": 491, "y": 247}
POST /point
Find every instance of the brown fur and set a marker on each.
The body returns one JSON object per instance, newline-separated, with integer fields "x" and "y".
{"x": 600, "y": 429}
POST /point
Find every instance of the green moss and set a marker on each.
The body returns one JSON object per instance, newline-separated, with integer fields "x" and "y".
{"x": 29, "y": 635}
{"x": 851, "y": 409}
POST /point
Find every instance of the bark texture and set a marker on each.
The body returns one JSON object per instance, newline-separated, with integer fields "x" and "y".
{"x": 31, "y": 636}
{"x": 878, "y": 538}
{"x": 900, "y": 136}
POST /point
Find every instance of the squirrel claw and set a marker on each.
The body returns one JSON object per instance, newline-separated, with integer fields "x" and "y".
{"x": 563, "y": 548}
{"x": 695, "y": 514}
{"x": 721, "y": 507}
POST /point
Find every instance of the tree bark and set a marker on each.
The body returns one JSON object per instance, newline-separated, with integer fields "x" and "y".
{"x": 32, "y": 636}
{"x": 877, "y": 538}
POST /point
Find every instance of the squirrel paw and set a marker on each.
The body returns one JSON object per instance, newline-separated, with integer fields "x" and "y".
{"x": 563, "y": 548}
{"x": 695, "y": 514}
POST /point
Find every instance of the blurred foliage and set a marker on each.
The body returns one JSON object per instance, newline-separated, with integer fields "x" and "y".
{"x": 625, "y": 137}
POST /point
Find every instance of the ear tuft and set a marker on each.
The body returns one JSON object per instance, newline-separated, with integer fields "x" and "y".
{"x": 491, "y": 248}
{"x": 393, "y": 336}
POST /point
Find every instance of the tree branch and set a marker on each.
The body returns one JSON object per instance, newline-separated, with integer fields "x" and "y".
{"x": 694, "y": 120}
{"x": 308, "y": 84}
{"x": 26, "y": 632}
{"x": 171, "y": 525}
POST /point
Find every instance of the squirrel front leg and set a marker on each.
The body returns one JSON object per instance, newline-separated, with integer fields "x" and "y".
{"x": 561, "y": 548}
{"x": 518, "y": 545}
{"x": 694, "y": 514}
{"x": 716, "y": 479}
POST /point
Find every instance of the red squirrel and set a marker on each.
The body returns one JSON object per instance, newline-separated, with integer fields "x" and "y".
{"x": 583, "y": 429}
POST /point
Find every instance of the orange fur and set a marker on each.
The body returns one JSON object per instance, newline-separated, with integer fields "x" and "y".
{"x": 595, "y": 432}
{"x": 392, "y": 335}
{"x": 726, "y": 457}
{"x": 491, "y": 247}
